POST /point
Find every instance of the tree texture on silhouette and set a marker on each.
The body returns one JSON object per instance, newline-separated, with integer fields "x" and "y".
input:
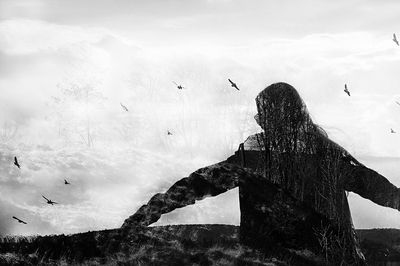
{"x": 298, "y": 154}
{"x": 294, "y": 160}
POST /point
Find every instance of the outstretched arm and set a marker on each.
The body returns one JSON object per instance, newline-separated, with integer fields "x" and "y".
{"x": 370, "y": 185}
{"x": 208, "y": 181}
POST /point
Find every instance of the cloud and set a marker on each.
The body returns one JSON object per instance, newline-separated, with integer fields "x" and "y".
{"x": 36, "y": 56}
{"x": 30, "y": 36}
{"x": 132, "y": 156}
{"x": 9, "y": 226}
{"x": 207, "y": 211}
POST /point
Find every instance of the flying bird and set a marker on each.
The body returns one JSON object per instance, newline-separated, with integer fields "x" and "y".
{"x": 180, "y": 87}
{"x": 49, "y": 201}
{"x": 168, "y": 132}
{"x": 66, "y": 182}
{"x": 233, "y": 84}
{"x": 392, "y": 131}
{"x": 124, "y": 107}
{"x": 395, "y": 39}
{"x": 19, "y": 220}
{"x": 346, "y": 90}
{"x": 16, "y": 162}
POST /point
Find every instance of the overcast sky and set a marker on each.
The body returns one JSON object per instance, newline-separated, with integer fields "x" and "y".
{"x": 66, "y": 66}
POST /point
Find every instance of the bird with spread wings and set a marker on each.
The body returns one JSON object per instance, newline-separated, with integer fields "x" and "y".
{"x": 346, "y": 90}
{"x": 124, "y": 107}
{"x": 49, "y": 201}
{"x": 395, "y": 39}
{"x": 16, "y": 163}
{"x": 180, "y": 87}
{"x": 19, "y": 220}
{"x": 233, "y": 84}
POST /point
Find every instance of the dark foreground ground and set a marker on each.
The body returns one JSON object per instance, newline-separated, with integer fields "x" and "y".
{"x": 163, "y": 245}
{"x": 171, "y": 245}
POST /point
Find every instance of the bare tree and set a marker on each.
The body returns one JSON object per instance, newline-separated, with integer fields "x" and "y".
{"x": 8, "y": 131}
{"x": 74, "y": 111}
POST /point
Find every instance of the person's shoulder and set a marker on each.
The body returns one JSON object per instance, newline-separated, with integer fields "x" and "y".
{"x": 254, "y": 142}
{"x": 344, "y": 154}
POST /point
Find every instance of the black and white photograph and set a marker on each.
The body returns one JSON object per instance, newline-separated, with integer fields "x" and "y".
{"x": 200, "y": 132}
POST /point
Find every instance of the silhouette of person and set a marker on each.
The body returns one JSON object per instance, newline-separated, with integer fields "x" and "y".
{"x": 292, "y": 158}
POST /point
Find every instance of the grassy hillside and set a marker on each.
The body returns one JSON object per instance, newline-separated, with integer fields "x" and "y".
{"x": 380, "y": 246}
{"x": 171, "y": 245}
{"x": 164, "y": 245}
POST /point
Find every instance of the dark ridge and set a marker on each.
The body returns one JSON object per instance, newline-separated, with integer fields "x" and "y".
{"x": 170, "y": 245}
{"x": 161, "y": 245}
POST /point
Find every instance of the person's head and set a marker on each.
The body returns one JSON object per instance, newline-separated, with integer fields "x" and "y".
{"x": 280, "y": 108}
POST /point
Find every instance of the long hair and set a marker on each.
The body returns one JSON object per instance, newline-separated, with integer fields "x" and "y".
{"x": 296, "y": 151}
{"x": 299, "y": 156}
{"x": 285, "y": 120}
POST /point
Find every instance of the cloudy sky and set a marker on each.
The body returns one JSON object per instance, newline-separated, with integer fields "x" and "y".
{"x": 66, "y": 66}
